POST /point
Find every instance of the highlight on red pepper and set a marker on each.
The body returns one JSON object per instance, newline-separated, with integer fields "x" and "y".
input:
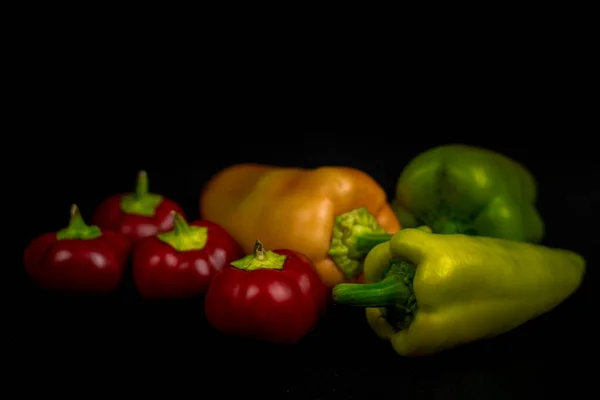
{"x": 79, "y": 258}
{"x": 182, "y": 263}
{"x": 139, "y": 214}
{"x": 273, "y": 296}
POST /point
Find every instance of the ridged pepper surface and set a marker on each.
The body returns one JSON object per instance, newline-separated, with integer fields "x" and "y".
{"x": 428, "y": 292}
{"x": 318, "y": 212}
{"x": 470, "y": 190}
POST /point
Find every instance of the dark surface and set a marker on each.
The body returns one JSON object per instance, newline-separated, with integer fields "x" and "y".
{"x": 121, "y": 341}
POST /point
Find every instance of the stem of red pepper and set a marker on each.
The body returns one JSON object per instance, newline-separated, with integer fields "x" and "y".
{"x": 259, "y": 250}
{"x": 77, "y": 228}
{"x": 184, "y": 237}
{"x": 142, "y": 184}
{"x": 141, "y": 202}
{"x": 260, "y": 259}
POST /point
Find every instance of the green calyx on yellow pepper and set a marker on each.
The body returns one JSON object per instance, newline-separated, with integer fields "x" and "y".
{"x": 428, "y": 292}
{"x": 469, "y": 190}
{"x": 355, "y": 233}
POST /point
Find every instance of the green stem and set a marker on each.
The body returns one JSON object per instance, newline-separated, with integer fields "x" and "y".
{"x": 348, "y": 228}
{"x": 184, "y": 237}
{"x": 393, "y": 294}
{"x": 141, "y": 185}
{"x": 141, "y": 201}
{"x": 180, "y": 225}
{"x": 260, "y": 259}
{"x": 365, "y": 242}
{"x": 387, "y": 292}
{"x": 77, "y": 228}
{"x": 259, "y": 250}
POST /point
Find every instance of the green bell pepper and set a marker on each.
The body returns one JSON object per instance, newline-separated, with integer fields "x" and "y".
{"x": 469, "y": 190}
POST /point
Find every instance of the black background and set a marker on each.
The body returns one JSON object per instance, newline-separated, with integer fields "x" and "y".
{"x": 88, "y": 105}
{"x": 92, "y": 138}
{"x": 124, "y": 339}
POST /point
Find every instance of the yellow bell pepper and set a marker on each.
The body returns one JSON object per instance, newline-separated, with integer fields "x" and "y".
{"x": 320, "y": 212}
{"x": 429, "y": 292}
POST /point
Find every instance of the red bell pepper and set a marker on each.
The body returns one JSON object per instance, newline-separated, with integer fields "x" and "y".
{"x": 139, "y": 214}
{"x": 274, "y": 296}
{"x": 78, "y": 258}
{"x": 182, "y": 263}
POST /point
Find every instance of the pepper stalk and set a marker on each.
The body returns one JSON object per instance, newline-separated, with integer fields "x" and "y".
{"x": 355, "y": 233}
{"x": 184, "y": 237}
{"x": 141, "y": 201}
{"x": 77, "y": 228}
{"x": 260, "y": 259}
{"x": 393, "y": 295}
{"x": 443, "y": 225}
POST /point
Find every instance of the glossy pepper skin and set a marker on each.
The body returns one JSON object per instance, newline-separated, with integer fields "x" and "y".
{"x": 317, "y": 212}
{"x": 181, "y": 263}
{"x": 429, "y": 292}
{"x": 139, "y": 214}
{"x": 272, "y": 296}
{"x": 78, "y": 258}
{"x": 465, "y": 189}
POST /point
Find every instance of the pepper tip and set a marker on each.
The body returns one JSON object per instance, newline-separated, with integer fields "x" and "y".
{"x": 74, "y": 210}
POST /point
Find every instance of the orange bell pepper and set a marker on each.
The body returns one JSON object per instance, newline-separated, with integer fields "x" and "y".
{"x": 320, "y": 212}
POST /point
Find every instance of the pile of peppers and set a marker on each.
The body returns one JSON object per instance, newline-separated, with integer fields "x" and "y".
{"x": 454, "y": 258}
